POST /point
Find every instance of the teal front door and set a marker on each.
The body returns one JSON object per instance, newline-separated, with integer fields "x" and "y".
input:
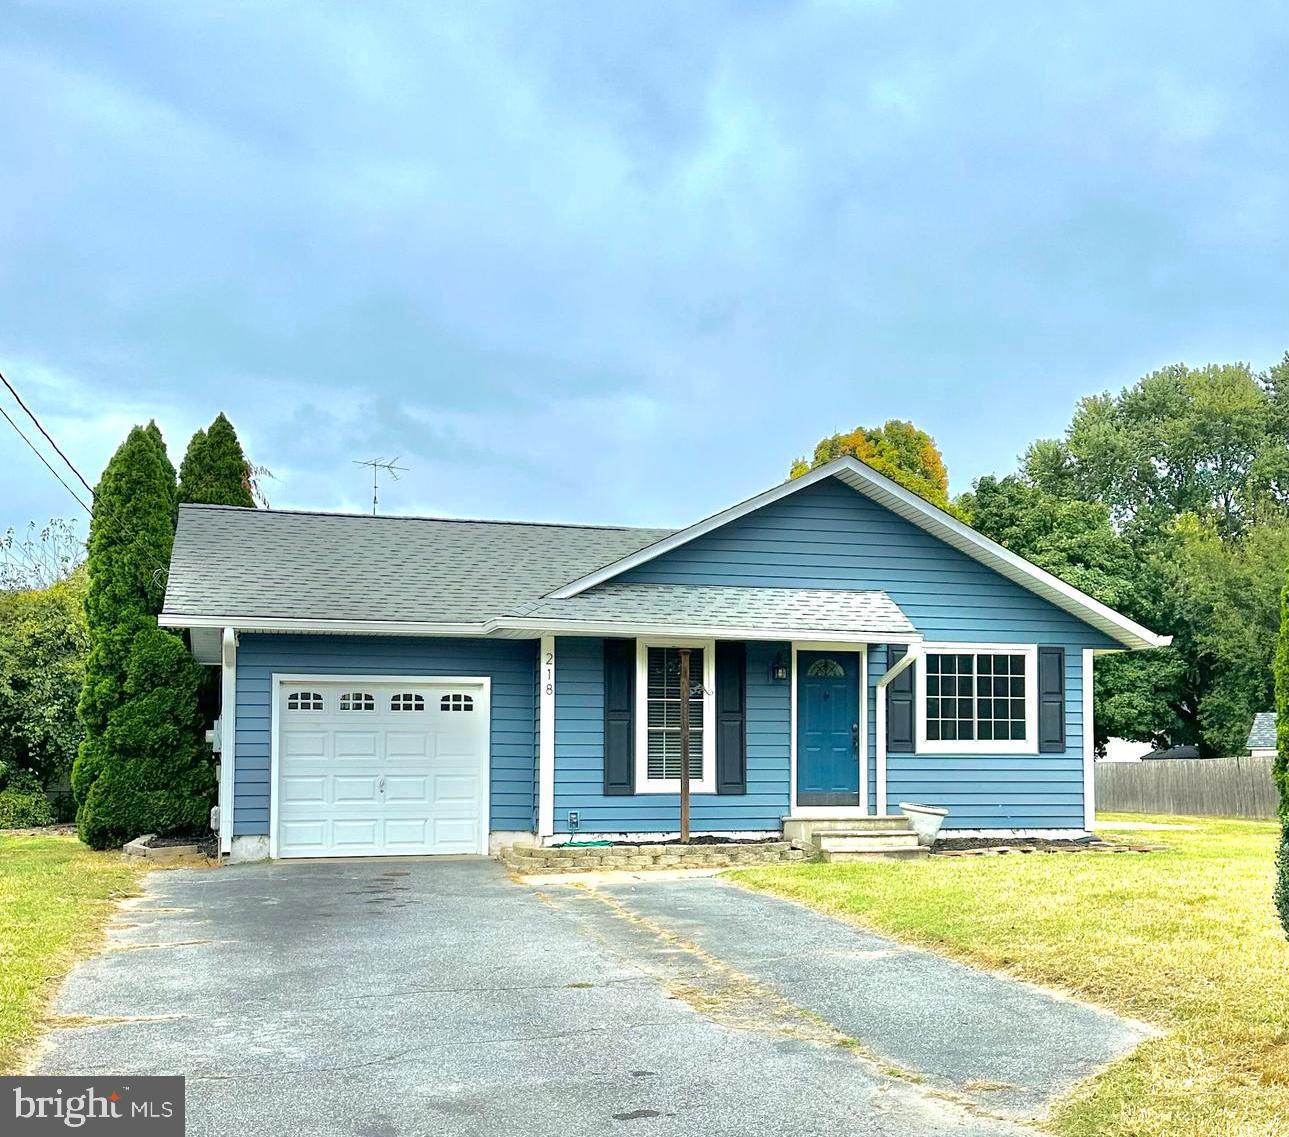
{"x": 827, "y": 727}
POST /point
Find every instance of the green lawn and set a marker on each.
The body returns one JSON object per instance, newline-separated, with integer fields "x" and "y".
{"x": 55, "y": 897}
{"x": 1186, "y": 939}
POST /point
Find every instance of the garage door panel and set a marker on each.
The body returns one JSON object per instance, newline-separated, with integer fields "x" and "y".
{"x": 405, "y": 744}
{"x": 407, "y": 789}
{"x": 401, "y": 781}
{"x": 355, "y": 833}
{"x": 458, "y": 836}
{"x": 300, "y": 788}
{"x": 298, "y": 743}
{"x": 355, "y": 790}
{"x": 411, "y": 832}
{"x": 455, "y": 790}
{"x": 357, "y": 744}
{"x": 309, "y": 837}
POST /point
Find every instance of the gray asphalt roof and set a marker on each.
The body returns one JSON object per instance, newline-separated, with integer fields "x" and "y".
{"x": 716, "y": 606}
{"x": 1263, "y": 734}
{"x": 278, "y": 563}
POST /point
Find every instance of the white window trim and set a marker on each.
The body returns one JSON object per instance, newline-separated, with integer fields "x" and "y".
{"x": 1026, "y": 745}
{"x": 645, "y": 784}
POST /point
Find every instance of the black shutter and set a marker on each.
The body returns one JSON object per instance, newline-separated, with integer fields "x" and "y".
{"x": 619, "y": 717}
{"x": 731, "y": 718}
{"x": 899, "y": 704}
{"x": 1051, "y": 700}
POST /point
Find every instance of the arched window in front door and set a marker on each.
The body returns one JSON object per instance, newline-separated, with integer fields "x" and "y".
{"x": 826, "y": 669}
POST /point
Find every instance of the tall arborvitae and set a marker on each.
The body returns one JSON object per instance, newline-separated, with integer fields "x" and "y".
{"x": 142, "y": 766}
{"x": 1280, "y": 768}
{"x": 215, "y": 470}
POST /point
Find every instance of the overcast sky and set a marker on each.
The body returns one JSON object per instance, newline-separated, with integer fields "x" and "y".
{"x": 620, "y": 262}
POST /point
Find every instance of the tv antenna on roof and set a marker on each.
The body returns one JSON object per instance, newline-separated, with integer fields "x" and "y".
{"x": 377, "y": 465}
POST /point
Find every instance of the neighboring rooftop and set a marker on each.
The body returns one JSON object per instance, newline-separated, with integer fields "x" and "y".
{"x": 335, "y": 566}
{"x": 1173, "y": 752}
{"x": 1262, "y": 736}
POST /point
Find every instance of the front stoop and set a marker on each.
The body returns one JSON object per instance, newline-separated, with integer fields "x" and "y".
{"x": 869, "y": 844}
{"x": 803, "y": 825}
{"x": 532, "y": 860}
{"x": 855, "y": 838}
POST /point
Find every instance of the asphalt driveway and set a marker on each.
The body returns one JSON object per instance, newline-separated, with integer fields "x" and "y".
{"x": 438, "y": 997}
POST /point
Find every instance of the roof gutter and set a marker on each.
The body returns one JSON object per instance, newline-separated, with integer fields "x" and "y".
{"x": 541, "y": 626}
{"x": 517, "y": 627}
{"x": 310, "y": 624}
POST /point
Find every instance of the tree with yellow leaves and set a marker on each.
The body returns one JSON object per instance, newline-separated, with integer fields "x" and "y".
{"x": 898, "y": 449}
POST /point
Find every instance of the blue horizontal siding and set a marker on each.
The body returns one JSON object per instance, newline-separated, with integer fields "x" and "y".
{"x": 510, "y": 664}
{"x": 1002, "y": 791}
{"x": 579, "y": 754}
{"x": 829, "y": 536}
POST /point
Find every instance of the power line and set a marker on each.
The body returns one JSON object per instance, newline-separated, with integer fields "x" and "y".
{"x": 45, "y": 461}
{"x": 48, "y": 437}
{"x": 134, "y": 537}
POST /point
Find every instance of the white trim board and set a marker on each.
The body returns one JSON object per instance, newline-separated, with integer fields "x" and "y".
{"x": 1089, "y": 743}
{"x": 227, "y": 737}
{"x": 513, "y": 627}
{"x": 867, "y": 481}
{"x": 278, "y": 678}
{"x": 546, "y": 737}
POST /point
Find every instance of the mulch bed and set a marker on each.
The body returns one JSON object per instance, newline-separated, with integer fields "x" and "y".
{"x": 42, "y": 831}
{"x": 706, "y": 840}
{"x": 992, "y": 846}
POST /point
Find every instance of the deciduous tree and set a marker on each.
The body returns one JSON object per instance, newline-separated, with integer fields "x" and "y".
{"x": 897, "y": 449}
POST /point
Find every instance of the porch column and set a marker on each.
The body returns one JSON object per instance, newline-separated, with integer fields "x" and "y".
{"x": 227, "y": 737}
{"x": 546, "y": 738}
{"x": 1089, "y": 744}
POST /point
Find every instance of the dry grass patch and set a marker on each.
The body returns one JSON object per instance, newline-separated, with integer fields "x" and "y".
{"x": 55, "y": 898}
{"x": 1186, "y": 939}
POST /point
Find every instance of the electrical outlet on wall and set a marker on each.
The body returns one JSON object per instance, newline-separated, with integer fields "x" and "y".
{"x": 573, "y": 819}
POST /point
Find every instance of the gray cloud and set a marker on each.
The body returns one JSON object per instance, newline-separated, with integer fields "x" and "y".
{"x": 622, "y": 263}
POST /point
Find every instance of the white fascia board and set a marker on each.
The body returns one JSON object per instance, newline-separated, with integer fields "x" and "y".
{"x": 698, "y": 631}
{"x": 520, "y": 627}
{"x": 863, "y": 479}
{"x": 338, "y": 627}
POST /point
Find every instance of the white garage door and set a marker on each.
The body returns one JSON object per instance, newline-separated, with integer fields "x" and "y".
{"x": 384, "y": 767}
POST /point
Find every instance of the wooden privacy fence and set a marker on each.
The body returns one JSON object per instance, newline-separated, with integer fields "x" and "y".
{"x": 1209, "y": 787}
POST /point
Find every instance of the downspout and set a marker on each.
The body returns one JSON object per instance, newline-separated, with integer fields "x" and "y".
{"x": 227, "y": 738}
{"x": 910, "y": 657}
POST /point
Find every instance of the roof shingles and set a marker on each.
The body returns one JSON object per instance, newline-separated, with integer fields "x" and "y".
{"x": 275, "y": 563}
{"x": 721, "y": 606}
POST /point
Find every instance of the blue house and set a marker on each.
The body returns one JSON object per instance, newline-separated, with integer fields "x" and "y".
{"x": 403, "y": 685}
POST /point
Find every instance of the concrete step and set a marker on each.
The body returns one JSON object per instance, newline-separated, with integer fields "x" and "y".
{"x": 865, "y": 841}
{"x": 914, "y": 853}
{"x": 801, "y": 826}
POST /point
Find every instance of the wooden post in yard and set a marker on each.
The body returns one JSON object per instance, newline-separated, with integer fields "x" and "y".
{"x": 684, "y": 745}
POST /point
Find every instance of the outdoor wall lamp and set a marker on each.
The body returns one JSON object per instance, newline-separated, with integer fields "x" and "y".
{"x": 779, "y": 669}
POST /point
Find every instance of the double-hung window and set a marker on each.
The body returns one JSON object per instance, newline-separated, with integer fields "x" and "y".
{"x": 658, "y": 704}
{"x": 977, "y": 699}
